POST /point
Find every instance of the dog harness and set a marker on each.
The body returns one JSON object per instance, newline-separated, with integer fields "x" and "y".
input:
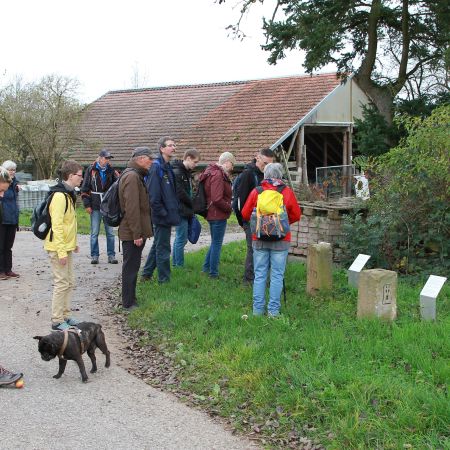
{"x": 66, "y": 332}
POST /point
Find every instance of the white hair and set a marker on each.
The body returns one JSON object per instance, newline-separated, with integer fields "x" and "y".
{"x": 227, "y": 156}
{"x": 9, "y": 165}
{"x": 273, "y": 170}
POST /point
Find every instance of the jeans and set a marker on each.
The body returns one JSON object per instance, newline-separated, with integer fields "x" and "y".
{"x": 248, "y": 273}
{"x": 211, "y": 264}
{"x": 130, "y": 268}
{"x": 159, "y": 256}
{"x": 96, "y": 218}
{"x": 266, "y": 259}
{"x": 179, "y": 243}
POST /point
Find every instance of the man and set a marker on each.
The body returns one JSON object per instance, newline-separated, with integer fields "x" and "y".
{"x": 135, "y": 226}
{"x": 164, "y": 205}
{"x": 251, "y": 177}
{"x": 183, "y": 180}
{"x": 98, "y": 178}
{"x": 61, "y": 243}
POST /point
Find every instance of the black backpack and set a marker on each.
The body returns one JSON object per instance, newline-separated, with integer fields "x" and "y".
{"x": 110, "y": 204}
{"x": 235, "y": 204}
{"x": 41, "y": 222}
{"x": 199, "y": 202}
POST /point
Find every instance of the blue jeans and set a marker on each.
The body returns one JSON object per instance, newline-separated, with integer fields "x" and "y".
{"x": 266, "y": 259}
{"x": 159, "y": 256}
{"x": 179, "y": 243}
{"x": 217, "y": 229}
{"x": 96, "y": 218}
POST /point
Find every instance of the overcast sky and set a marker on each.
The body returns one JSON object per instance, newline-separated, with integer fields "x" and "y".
{"x": 105, "y": 43}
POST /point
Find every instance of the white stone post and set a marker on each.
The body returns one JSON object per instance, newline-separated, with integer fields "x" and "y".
{"x": 428, "y": 296}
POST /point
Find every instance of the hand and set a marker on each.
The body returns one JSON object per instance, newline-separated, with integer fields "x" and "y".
{"x": 138, "y": 242}
{"x": 63, "y": 261}
{"x": 89, "y": 210}
{"x": 77, "y": 249}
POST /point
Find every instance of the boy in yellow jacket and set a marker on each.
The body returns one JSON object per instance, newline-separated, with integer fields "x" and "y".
{"x": 61, "y": 242}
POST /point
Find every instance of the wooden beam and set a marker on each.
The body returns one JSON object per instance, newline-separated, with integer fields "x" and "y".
{"x": 291, "y": 145}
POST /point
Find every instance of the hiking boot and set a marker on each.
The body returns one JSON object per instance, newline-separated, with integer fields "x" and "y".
{"x": 11, "y": 274}
{"x": 72, "y": 322}
{"x": 60, "y": 326}
{"x": 94, "y": 260}
{"x": 112, "y": 260}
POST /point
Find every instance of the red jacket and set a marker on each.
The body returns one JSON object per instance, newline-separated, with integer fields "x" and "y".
{"x": 218, "y": 192}
{"x": 290, "y": 202}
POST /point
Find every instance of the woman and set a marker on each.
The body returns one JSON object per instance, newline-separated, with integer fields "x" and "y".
{"x": 270, "y": 255}
{"x": 216, "y": 179}
{"x": 9, "y": 223}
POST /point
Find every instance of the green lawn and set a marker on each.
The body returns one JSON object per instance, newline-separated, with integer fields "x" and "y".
{"x": 317, "y": 371}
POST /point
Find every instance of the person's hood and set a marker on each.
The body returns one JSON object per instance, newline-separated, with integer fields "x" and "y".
{"x": 272, "y": 182}
{"x": 212, "y": 169}
{"x": 62, "y": 187}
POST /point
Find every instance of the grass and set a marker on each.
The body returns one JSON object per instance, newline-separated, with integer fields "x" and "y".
{"x": 84, "y": 222}
{"x": 317, "y": 371}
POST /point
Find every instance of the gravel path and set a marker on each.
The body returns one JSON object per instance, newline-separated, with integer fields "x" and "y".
{"x": 114, "y": 409}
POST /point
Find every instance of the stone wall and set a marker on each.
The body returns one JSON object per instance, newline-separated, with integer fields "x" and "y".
{"x": 320, "y": 222}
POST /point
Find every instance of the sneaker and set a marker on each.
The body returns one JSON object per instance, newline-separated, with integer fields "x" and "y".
{"x": 112, "y": 260}
{"x": 94, "y": 260}
{"x": 11, "y": 274}
{"x": 72, "y": 322}
{"x": 60, "y": 326}
{"x": 145, "y": 278}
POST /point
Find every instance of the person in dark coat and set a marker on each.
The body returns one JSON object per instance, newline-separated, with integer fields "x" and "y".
{"x": 136, "y": 225}
{"x": 251, "y": 177}
{"x": 216, "y": 178}
{"x": 165, "y": 211}
{"x": 98, "y": 178}
{"x": 9, "y": 222}
{"x": 183, "y": 181}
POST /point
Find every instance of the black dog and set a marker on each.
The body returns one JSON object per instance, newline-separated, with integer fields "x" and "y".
{"x": 71, "y": 344}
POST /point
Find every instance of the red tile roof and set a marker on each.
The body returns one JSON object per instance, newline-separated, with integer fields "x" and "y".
{"x": 240, "y": 117}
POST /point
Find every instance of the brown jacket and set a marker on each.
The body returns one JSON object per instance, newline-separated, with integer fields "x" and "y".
{"x": 218, "y": 192}
{"x": 133, "y": 197}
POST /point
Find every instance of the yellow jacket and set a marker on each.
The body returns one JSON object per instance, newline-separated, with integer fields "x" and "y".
{"x": 63, "y": 234}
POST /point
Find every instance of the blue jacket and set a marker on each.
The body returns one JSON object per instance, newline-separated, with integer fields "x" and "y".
{"x": 10, "y": 209}
{"x": 163, "y": 194}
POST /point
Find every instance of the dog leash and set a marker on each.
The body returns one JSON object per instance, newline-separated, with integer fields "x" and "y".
{"x": 75, "y": 330}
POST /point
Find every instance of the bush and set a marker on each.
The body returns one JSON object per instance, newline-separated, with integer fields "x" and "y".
{"x": 407, "y": 224}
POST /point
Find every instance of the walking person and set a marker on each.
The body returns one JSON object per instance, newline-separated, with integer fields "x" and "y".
{"x": 271, "y": 255}
{"x": 251, "y": 177}
{"x": 98, "y": 178}
{"x": 9, "y": 222}
{"x": 136, "y": 225}
{"x": 61, "y": 243}
{"x": 165, "y": 211}
{"x": 183, "y": 181}
{"x": 216, "y": 179}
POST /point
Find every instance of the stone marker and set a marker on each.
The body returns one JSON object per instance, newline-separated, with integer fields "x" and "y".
{"x": 355, "y": 269}
{"x": 428, "y": 297}
{"x": 319, "y": 264}
{"x": 377, "y": 294}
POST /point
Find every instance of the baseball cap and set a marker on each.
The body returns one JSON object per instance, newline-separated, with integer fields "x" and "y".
{"x": 105, "y": 154}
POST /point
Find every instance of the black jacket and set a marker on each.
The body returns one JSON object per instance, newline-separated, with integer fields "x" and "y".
{"x": 183, "y": 182}
{"x": 249, "y": 176}
{"x": 92, "y": 186}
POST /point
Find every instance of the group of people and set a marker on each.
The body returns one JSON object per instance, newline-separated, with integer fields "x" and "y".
{"x": 156, "y": 194}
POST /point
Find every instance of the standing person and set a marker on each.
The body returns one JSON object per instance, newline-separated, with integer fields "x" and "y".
{"x": 61, "y": 243}
{"x": 136, "y": 225}
{"x": 183, "y": 180}
{"x": 251, "y": 177}
{"x": 271, "y": 255}
{"x": 98, "y": 178}
{"x": 9, "y": 222}
{"x": 165, "y": 214}
{"x": 216, "y": 178}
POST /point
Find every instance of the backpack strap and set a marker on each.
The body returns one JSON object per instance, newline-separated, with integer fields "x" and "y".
{"x": 280, "y": 189}
{"x": 259, "y": 189}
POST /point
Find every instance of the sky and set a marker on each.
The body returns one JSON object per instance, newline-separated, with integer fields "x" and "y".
{"x": 110, "y": 44}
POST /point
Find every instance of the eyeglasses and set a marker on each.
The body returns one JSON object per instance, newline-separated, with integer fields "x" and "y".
{"x": 171, "y": 145}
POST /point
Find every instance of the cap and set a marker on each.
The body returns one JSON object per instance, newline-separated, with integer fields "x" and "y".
{"x": 105, "y": 154}
{"x": 142, "y": 151}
